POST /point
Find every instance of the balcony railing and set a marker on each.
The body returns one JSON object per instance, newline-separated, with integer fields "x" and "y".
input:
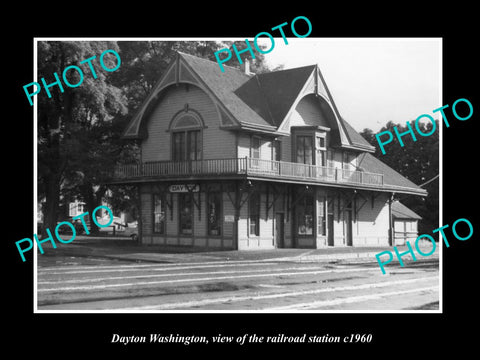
{"x": 245, "y": 166}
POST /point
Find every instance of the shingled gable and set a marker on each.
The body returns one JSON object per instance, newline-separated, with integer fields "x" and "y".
{"x": 220, "y": 87}
{"x": 261, "y": 102}
{"x": 274, "y": 95}
{"x": 223, "y": 86}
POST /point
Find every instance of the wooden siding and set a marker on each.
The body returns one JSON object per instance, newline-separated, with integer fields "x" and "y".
{"x": 405, "y": 230}
{"x": 286, "y": 148}
{"x": 308, "y": 112}
{"x": 265, "y": 240}
{"x": 369, "y": 223}
{"x": 217, "y": 143}
{"x": 199, "y": 238}
{"x": 372, "y": 223}
{"x": 244, "y": 145}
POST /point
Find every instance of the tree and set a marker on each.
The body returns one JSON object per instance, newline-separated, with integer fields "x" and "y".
{"x": 144, "y": 62}
{"x": 79, "y": 140}
{"x": 99, "y": 147}
{"x": 64, "y": 116}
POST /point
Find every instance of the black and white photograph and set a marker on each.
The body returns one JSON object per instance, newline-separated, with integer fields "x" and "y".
{"x": 184, "y": 181}
{"x": 240, "y": 185}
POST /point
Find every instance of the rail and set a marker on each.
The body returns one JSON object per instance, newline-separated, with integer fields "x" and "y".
{"x": 246, "y": 166}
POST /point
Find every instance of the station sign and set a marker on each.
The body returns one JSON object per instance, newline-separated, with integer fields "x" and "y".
{"x": 184, "y": 188}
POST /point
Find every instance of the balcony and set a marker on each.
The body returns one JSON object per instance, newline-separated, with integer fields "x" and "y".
{"x": 243, "y": 167}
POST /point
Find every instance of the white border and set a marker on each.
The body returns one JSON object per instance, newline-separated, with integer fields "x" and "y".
{"x": 35, "y": 176}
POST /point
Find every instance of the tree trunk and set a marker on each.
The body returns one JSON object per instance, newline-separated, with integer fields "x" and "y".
{"x": 92, "y": 200}
{"x": 52, "y": 199}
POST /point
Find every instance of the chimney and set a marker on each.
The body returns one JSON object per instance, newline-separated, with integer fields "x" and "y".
{"x": 246, "y": 67}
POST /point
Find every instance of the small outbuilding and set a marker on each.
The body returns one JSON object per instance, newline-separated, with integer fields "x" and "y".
{"x": 405, "y": 223}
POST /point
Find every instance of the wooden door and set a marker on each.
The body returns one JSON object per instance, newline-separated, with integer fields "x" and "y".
{"x": 330, "y": 230}
{"x": 348, "y": 227}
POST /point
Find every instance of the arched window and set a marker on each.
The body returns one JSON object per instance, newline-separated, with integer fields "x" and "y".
{"x": 186, "y": 129}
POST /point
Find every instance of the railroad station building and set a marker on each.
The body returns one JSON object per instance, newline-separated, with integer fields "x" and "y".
{"x": 236, "y": 160}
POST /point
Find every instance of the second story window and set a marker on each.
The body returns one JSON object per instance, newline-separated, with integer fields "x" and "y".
{"x": 321, "y": 150}
{"x": 187, "y": 145}
{"x": 304, "y": 149}
{"x": 255, "y": 148}
{"x": 179, "y": 146}
{"x": 255, "y": 144}
{"x": 186, "y": 137}
{"x": 276, "y": 150}
{"x": 310, "y": 145}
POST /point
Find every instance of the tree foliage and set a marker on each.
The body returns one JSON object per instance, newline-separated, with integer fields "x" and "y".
{"x": 145, "y": 61}
{"x": 68, "y": 118}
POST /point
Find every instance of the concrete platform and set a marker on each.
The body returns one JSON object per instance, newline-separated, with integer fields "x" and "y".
{"x": 127, "y": 250}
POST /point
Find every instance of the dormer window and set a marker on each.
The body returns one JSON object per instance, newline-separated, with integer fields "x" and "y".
{"x": 304, "y": 149}
{"x": 255, "y": 147}
{"x": 321, "y": 149}
{"x": 310, "y": 144}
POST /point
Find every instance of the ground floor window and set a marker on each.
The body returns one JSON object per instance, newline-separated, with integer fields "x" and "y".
{"x": 185, "y": 205}
{"x": 305, "y": 215}
{"x": 254, "y": 214}
{"x": 159, "y": 213}
{"x": 214, "y": 215}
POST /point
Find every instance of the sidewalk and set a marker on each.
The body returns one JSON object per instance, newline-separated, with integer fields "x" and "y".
{"x": 127, "y": 250}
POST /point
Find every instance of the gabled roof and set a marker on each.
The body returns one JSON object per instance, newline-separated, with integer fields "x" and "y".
{"x": 355, "y": 138}
{"x": 277, "y": 91}
{"x": 400, "y": 211}
{"x": 260, "y": 102}
{"x": 219, "y": 86}
{"x": 263, "y": 103}
{"x": 223, "y": 85}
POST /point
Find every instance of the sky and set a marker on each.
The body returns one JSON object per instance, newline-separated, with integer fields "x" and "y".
{"x": 372, "y": 80}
